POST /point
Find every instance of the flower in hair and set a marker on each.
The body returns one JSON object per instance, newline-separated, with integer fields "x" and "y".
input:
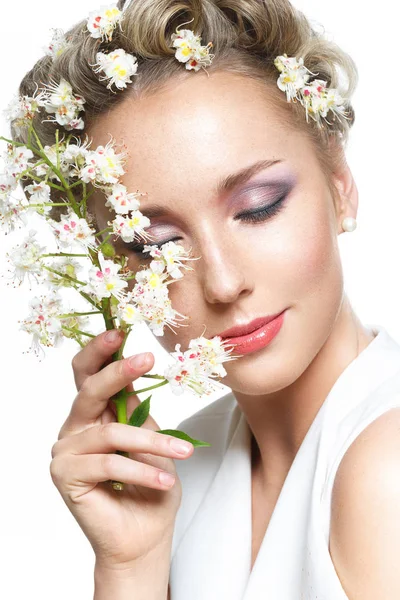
{"x": 64, "y": 104}
{"x": 102, "y": 22}
{"x": 316, "y": 98}
{"x": 118, "y": 66}
{"x": 190, "y": 51}
{"x": 57, "y": 44}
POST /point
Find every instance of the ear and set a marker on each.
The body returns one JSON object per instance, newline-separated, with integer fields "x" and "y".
{"x": 346, "y": 200}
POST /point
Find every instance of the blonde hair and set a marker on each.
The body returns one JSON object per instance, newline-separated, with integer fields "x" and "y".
{"x": 247, "y": 35}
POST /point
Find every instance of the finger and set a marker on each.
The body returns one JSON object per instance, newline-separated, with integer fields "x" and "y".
{"x": 95, "y": 468}
{"x": 133, "y": 402}
{"x": 119, "y": 436}
{"x": 93, "y": 356}
{"x": 108, "y": 416}
{"x": 96, "y": 391}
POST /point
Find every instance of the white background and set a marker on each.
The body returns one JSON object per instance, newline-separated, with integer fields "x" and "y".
{"x": 43, "y": 552}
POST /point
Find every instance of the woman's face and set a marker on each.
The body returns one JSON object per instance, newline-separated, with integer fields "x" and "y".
{"x": 182, "y": 143}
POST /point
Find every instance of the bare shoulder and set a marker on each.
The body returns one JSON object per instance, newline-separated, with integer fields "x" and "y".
{"x": 365, "y": 518}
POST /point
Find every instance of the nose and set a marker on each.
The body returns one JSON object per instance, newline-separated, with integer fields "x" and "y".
{"x": 223, "y": 272}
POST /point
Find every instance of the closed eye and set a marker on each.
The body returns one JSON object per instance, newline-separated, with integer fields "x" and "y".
{"x": 263, "y": 213}
{"x": 255, "y": 216}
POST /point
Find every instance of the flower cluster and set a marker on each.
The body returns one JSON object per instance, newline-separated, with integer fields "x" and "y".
{"x": 118, "y": 67}
{"x": 316, "y": 97}
{"x": 57, "y": 44}
{"x": 190, "y": 51}
{"x": 102, "y": 22}
{"x": 193, "y": 368}
{"x": 64, "y": 104}
{"x": 66, "y": 165}
{"x": 71, "y": 170}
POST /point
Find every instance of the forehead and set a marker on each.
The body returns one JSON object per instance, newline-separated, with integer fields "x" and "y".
{"x": 197, "y": 130}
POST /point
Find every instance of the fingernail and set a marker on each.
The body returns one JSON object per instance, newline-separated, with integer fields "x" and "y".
{"x": 139, "y": 360}
{"x": 112, "y": 335}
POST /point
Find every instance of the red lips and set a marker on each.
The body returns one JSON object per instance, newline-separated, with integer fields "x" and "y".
{"x": 247, "y": 328}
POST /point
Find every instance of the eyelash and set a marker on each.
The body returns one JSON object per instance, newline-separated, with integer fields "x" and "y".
{"x": 256, "y": 216}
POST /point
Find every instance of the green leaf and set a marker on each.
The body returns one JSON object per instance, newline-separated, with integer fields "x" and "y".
{"x": 140, "y": 413}
{"x": 183, "y": 436}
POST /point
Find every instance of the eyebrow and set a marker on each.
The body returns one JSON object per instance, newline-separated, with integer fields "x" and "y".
{"x": 225, "y": 185}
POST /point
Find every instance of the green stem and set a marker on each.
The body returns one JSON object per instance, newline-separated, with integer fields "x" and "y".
{"x": 80, "y": 314}
{"x": 62, "y": 254}
{"x": 120, "y": 398}
{"x": 60, "y": 176}
{"x": 153, "y": 387}
{"x": 37, "y": 178}
{"x": 78, "y": 331}
{"x": 89, "y": 299}
{"x": 104, "y": 241}
{"x": 57, "y": 151}
{"x": 49, "y": 204}
{"x": 153, "y": 376}
{"x": 103, "y": 231}
{"x": 64, "y": 276}
{"x": 84, "y": 199}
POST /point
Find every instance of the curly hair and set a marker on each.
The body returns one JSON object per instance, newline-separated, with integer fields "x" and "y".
{"x": 246, "y": 35}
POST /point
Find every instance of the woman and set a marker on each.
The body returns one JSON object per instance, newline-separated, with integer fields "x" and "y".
{"x": 261, "y": 194}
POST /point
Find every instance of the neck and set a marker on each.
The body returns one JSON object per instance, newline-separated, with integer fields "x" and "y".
{"x": 279, "y": 421}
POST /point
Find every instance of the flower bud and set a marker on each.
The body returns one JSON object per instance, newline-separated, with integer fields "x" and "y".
{"x": 108, "y": 250}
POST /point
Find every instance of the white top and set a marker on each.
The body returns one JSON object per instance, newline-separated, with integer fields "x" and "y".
{"x": 211, "y": 548}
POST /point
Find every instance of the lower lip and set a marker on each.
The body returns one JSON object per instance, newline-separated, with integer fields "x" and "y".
{"x": 257, "y": 339}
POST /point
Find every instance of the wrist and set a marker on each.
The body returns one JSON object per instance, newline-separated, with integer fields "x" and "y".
{"x": 143, "y": 579}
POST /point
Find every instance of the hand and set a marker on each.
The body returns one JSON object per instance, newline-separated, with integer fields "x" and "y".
{"x": 122, "y": 526}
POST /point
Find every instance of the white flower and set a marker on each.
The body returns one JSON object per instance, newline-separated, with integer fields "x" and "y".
{"x": 190, "y": 51}
{"x": 39, "y": 194}
{"x": 51, "y": 152}
{"x": 17, "y": 160}
{"x": 118, "y": 66}
{"x": 22, "y": 109}
{"x": 102, "y": 166}
{"x": 119, "y": 200}
{"x": 293, "y": 76}
{"x": 193, "y": 369}
{"x": 77, "y": 324}
{"x": 72, "y": 229}
{"x": 171, "y": 254}
{"x": 102, "y": 22}
{"x": 149, "y": 301}
{"x": 57, "y": 44}
{"x": 65, "y": 265}
{"x": 130, "y": 226}
{"x": 43, "y": 322}
{"x": 316, "y": 98}
{"x": 129, "y": 313}
{"x": 26, "y": 259}
{"x": 12, "y": 210}
{"x": 64, "y": 104}
{"x": 211, "y": 354}
{"x": 105, "y": 281}
{"x": 8, "y": 184}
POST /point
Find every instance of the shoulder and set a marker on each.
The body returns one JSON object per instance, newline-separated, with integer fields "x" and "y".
{"x": 365, "y": 518}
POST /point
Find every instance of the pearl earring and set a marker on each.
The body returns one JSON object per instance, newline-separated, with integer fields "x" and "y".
{"x": 349, "y": 224}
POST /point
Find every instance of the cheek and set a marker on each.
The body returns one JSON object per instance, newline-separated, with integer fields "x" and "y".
{"x": 299, "y": 256}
